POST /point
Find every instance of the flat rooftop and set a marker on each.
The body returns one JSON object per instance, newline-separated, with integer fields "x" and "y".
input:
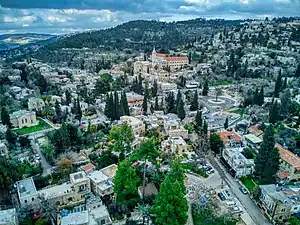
{"x": 26, "y": 187}
{"x": 97, "y": 176}
{"x": 8, "y": 216}
{"x": 110, "y": 171}
{"x": 57, "y": 190}
{"x": 76, "y": 218}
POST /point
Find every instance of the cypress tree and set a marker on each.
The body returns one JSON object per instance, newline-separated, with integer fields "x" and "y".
{"x": 267, "y": 161}
{"x": 297, "y": 73}
{"x": 274, "y": 113}
{"x": 154, "y": 89}
{"x": 278, "y": 85}
{"x": 156, "y": 106}
{"x": 107, "y": 113}
{"x": 205, "y": 128}
{"x": 198, "y": 120}
{"x": 122, "y": 110}
{"x": 178, "y": 97}
{"x": 78, "y": 115}
{"x": 145, "y": 105}
{"x": 195, "y": 103}
{"x": 171, "y": 103}
{"x": 255, "y": 99}
{"x": 226, "y": 124}
{"x": 112, "y": 107}
{"x": 116, "y": 106}
{"x": 205, "y": 88}
{"x": 125, "y": 104}
{"x": 68, "y": 97}
{"x": 284, "y": 83}
{"x": 261, "y": 96}
{"x": 5, "y": 117}
{"x": 180, "y": 109}
{"x": 162, "y": 105}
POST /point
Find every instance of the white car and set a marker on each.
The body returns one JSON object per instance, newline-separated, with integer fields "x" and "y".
{"x": 236, "y": 209}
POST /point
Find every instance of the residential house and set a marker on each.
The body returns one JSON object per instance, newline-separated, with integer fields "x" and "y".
{"x": 237, "y": 164}
{"x": 8, "y": 217}
{"x": 174, "y": 129}
{"x": 256, "y": 130}
{"x": 253, "y": 140}
{"x": 27, "y": 192}
{"x": 279, "y": 203}
{"x": 36, "y": 104}
{"x": 289, "y": 164}
{"x": 102, "y": 180}
{"x": 174, "y": 145}
{"x": 23, "y": 118}
{"x": 137, "y": 125}
{"x": 230, "y": 138}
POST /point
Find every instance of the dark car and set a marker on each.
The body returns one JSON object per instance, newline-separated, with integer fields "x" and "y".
{"x": 221, "y": 196}
{"x": 243, "y": 190}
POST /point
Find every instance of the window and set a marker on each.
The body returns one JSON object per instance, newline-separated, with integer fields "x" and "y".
{"x": 32, "y": 199}
{"x": 25, "y": 201}
{"x": 26, "y": 120}
{"x": 283, "y": 210}
{"x": 102, "y": 222}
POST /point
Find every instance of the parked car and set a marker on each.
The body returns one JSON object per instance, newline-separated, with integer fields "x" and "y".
{"x": 221, "y": 196}
{"x": 236, "y": 209}
{"x": 230, "y": 203}
{"x": 243, "y": 190}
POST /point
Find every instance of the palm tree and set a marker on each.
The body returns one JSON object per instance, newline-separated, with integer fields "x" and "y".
{"x": 219, "y": 92}
{"x": 144, "y": 210}
{"x": 48, "y": 110}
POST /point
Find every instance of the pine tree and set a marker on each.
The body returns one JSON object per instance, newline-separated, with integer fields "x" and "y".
{"x": 125, "y": 104}
{"x": 278, "y": 85}
{"x": 226, "y": 125}
{"x": 107, "y": 113}
{"x": 145, "y": 105}
{"x": 170, "y": 204}
{"x": 68, "y": 97}
{"x": 205, "y": 128}
{"x": 78, "y": 114}
{"x": 5, "y": 117}
{"x": 255, "y": 99}
{"x": 284, "y": 83}
{"x": 156, "y": 106}
{"x": 261, "y": 96}
{"x": 116, "y": 106}
{"x": 126, "y": 184}
{"x": 205, "y": 88}
{"x": 297, "y": 73}
{"x": 199, "y": 120}
{"x": 274, "y": 113}
{"x": 180, "y": 109}
{"x": 58, "y": 111}
{"x": 195, "y": 103}
{"x": 154, "y": 89}
{"x": 267, "y": 160}
{"x": 178, "y": 97}
{"x": 111, "y": 107}
{"x": 171, "y": 103}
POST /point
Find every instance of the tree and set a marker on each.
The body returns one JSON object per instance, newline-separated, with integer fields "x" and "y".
{"x": 178, "y": 98}
{"x": 180, "y": 110}
{"x": 205, "y": 128}
{"x": 116, "y": 106}
{"x": 226, "y": 124}
{"x": 125, "y": 103}
{"x": 171, "y": 103}
{"x": 256, "y": 97}
{"x": 274, "y": 113}
{"x": 156, "y": 106}
{"x": 65, "y": 167}
{"x": 105, "y": 159}
{"x": 10, "y": 136}
{"x": 216, "y": 143}
{"x": 170, "y": 205}
{"x": 199, "y": 120}
{"x": 145, "y": 105}
{"x": 58, "y": 111}
{"x": 110, "y": 108}
{"x": 195, "y": 103}
{"x": 278, "y": 85}
{"x": 286, "y": 103}
{"x": 261, "y": 97}
{"x": 267, "y": 160}
{"x": 5, "y": 117}
{"x": 68, "y": 97}
{"x": 284, "y": 86}
{"x": 154, "y": 89}
{"x": 9, "y": 172}
{"x": 205, "y": 88}
{"x": 297, "y": 73}
{"x": 294, "y": 221}
{"x": 126, "y": 184}
{"x": 78, "y": 112}
{"x": 121, "y": 137}
{"x": 107, "y": 108}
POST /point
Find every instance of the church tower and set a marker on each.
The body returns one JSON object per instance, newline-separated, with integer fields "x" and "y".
{"x": 153, "y": 58}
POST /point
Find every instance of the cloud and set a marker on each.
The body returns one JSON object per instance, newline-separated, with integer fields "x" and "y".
{"x": 57, "y": 16}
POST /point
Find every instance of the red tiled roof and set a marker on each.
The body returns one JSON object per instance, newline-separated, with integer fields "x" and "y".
{"x": 177, "y": 58}
{"x": 229, "y": 135}
{"x": 88, "y": 167}
{"x": 135, "y": 100}
{"x": 288, "y": 156}
{"x": 283, "y": 174}
{"x": 161, "y": 55}
{"x": 255, "y": 130}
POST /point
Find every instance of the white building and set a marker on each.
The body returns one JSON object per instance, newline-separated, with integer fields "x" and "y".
{"x": 36, "y": 104}
{"x": 8, "y": 217}
{"x": 138, "y": 127}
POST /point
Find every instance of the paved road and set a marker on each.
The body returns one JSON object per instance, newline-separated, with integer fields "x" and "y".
{"x": 44, "y": 164}
{"x": 248, "y": 204}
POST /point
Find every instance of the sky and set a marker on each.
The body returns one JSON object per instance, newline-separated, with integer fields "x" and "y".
{"x": 68, "y": 16}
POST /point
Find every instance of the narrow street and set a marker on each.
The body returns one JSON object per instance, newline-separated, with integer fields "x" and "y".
{"x": 252, "y": 209}
{"x": 44, "y": 164}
